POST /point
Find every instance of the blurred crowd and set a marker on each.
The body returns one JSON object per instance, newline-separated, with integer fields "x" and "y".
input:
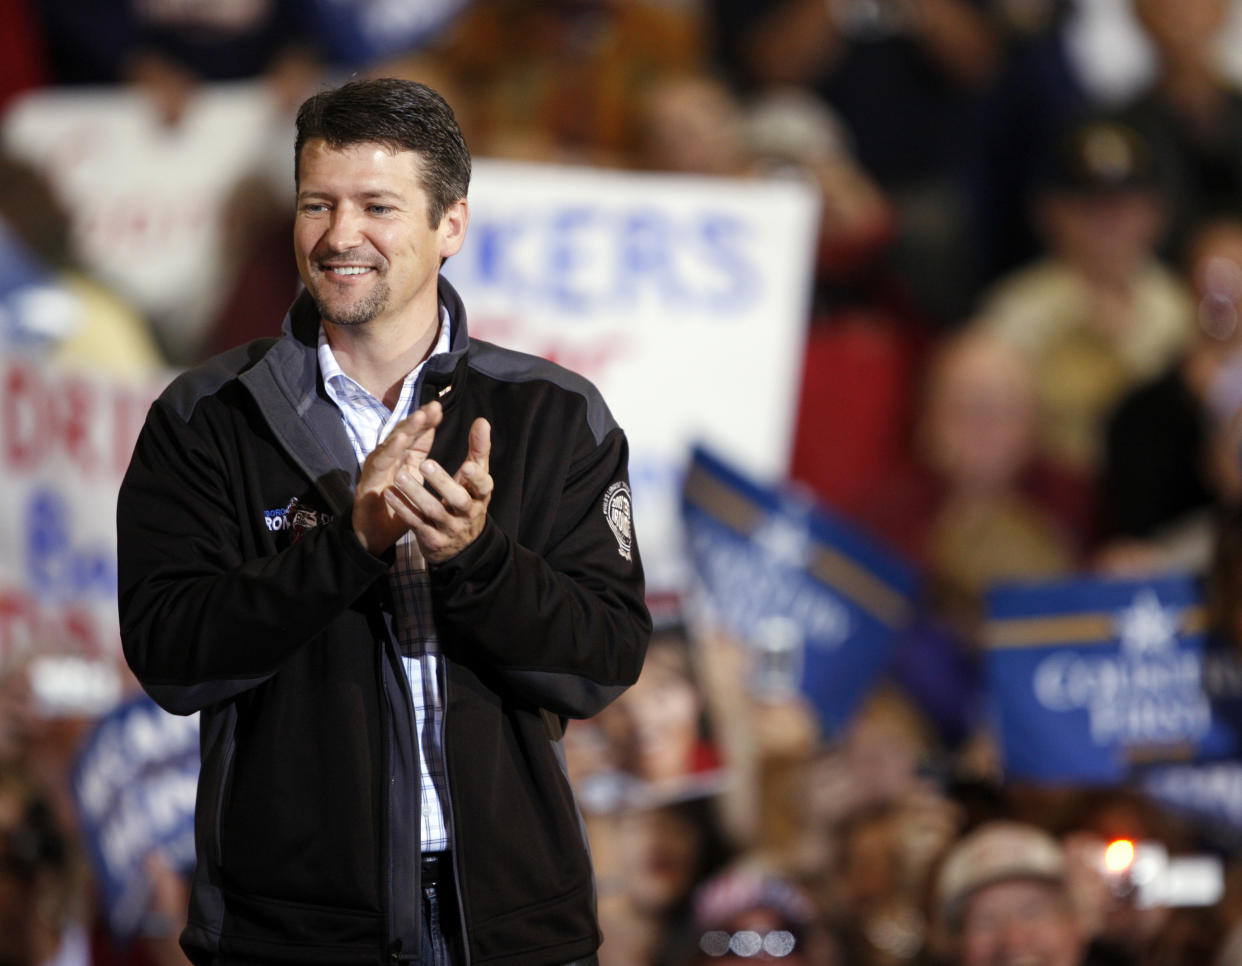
{"x": 1023, "y": 360}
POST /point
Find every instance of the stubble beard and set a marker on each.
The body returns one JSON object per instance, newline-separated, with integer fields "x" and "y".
{"x": 356, "y": 312}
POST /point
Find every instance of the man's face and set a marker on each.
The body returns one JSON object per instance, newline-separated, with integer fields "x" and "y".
{"x": 1107, "y": 233}
{"x": 1020, "y": 923}
{"x": 364, "y": 247}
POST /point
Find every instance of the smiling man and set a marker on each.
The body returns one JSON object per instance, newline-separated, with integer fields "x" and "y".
{"x": 383, "y": 560}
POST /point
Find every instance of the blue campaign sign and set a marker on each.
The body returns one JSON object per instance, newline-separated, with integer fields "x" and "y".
{"x": 134, "y": 785}
{"x": 819, "y": 601}
{"x": 1210, "y": 791}
{"x": 1093, "y": 676}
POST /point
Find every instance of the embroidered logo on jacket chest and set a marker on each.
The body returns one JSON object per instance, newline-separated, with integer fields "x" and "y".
{"x": 617, "y": 511}
{"x": 296, "y": 518}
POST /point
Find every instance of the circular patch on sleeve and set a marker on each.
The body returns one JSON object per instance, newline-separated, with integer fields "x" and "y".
{"x": 617, "y": 512}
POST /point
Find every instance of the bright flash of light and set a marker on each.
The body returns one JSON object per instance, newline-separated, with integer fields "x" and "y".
{"x": 1119, "y": 855}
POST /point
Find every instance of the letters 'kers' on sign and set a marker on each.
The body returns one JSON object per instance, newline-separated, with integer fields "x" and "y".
{"x": 50, "y": 418}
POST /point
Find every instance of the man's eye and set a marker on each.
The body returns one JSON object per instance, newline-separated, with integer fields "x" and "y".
{"x": 314, "y": 208}
{"x": 379, "y": 209}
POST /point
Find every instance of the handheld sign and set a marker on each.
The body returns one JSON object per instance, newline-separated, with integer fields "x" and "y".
{"x": 683, "y": 299}
{"x": 818, "y": 600}
{"x": 1092, "y": 676}
{"x": 134, "y": 785}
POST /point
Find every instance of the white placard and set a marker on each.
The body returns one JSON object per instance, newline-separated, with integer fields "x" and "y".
{"x": 684, "y": 299}
{"x": 65, "y": 440}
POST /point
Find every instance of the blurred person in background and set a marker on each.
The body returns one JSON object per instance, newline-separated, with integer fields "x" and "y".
{"x": 691, "y": 123}
{"x": 1064, "y": 61}
{"x": 51, "y": 307}
{"x": 1191, "y": 116}
{"x": 657, "y": 729}
{"x": 560, "y": 80}
{"x": 865, "y": 340}
{"x": 1229, "y": 917}
{"x": 871, "y": 826}
{"x": 749, "y": 914}
{"x": 661, "y": 851}
{"x": 1099, "y": 314}
{"x": 764, "y": 741}
{"x": 1169, "y": 464}
{"x": 42, "y": 897}
{"x": 976, "y": 505}
{"x": 1001, "y": 899}
{"x": 167, "y": 50}
{"x": 1124, "y": 929}
{"x": 888, "y": 852}
{"x": 904, "y": 76}
{"x": 1038, "y": 90}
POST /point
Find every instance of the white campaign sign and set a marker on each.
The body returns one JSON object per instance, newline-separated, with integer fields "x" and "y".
{"x": 684, "y": 299}
{"x": 65, "y": 440}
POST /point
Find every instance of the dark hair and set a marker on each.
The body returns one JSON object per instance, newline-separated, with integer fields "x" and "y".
{"x": 402, "y": 114}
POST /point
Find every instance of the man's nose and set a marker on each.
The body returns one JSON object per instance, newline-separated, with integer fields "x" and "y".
{"x": 344, "y": 230}
{"x": 1016, "y": 936}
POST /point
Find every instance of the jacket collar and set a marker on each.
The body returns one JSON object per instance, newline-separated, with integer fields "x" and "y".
{"x": 287, "y": 386}
{"x": 445, "y": 374}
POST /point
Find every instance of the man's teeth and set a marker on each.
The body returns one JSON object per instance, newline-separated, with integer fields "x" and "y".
{"x": 349, "y": 270}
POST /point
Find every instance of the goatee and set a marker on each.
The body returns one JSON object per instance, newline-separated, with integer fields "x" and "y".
{"x": 358, "y": 312}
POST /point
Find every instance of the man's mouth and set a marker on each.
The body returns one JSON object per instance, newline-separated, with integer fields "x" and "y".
{"x": 347, "y": 270}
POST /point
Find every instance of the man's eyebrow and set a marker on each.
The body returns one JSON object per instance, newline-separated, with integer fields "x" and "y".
{"x": 381, "y": 194}
{"x": 372, "y": 194}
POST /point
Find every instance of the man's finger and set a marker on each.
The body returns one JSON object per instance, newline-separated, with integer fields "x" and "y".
{"x": 476, "y": 480}
{"x": 480, "y": 451}
{"x": 414, "y": 502}
{"x": 455, "y": 497}
{"x": 416, "y": 425}
{"x": 473, "y": 472}
{"x": 404, "y": 435}
{"x": 411, "y": 434}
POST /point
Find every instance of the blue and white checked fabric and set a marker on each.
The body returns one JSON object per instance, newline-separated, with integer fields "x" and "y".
{"x": 368, "y": 423}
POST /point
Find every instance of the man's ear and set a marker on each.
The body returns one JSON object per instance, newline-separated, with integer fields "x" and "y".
{"x": 453, "y": 228}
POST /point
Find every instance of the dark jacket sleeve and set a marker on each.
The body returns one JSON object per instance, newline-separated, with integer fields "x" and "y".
{"x": 200, "y": 622}
{"x": 565, "y": 628}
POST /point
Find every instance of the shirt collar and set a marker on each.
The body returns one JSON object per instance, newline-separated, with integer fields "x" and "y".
{"x": 340, "y": 386}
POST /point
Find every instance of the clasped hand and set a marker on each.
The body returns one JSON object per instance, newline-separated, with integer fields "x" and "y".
{"x": 401, "y": 490}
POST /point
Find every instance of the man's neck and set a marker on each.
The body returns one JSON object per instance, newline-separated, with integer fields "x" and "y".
{"x": 379, "y": 357}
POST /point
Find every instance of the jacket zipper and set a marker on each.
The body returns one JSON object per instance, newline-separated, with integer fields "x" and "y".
{"x": 392, "y": 653}
{"x": 442, "y": 680}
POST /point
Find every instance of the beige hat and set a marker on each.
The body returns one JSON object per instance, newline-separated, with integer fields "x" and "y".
{"x": 995, "y": 852}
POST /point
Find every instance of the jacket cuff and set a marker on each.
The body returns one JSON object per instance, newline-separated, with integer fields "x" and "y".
{"x": 479, "y": 562}
{"x": 359, "y": 555}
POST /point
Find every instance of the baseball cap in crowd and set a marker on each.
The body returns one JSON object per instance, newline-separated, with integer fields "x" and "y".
{"x": 730, "y": 908}
{"x": 1102, "y": 155}
{"x": 1000, "y": 851}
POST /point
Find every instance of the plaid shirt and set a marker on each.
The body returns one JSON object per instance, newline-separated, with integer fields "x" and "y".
{"x": 368, "y": 423}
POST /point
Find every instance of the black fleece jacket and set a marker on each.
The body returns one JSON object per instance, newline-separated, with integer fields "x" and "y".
{"x": 268, "y": 617}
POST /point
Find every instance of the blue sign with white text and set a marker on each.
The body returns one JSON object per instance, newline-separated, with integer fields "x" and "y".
{"x": 1092, "y": 677}
{"x": 134, "y": 785}
{"x": 818, "y": 601}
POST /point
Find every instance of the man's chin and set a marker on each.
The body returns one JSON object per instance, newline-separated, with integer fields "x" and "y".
{"x": 346, "y": 321}
{"x": 346, "y": 315}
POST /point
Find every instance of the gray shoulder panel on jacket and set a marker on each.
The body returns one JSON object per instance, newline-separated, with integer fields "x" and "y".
{"x": 190, "y": 387}
{"x": 509, "y": 365}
